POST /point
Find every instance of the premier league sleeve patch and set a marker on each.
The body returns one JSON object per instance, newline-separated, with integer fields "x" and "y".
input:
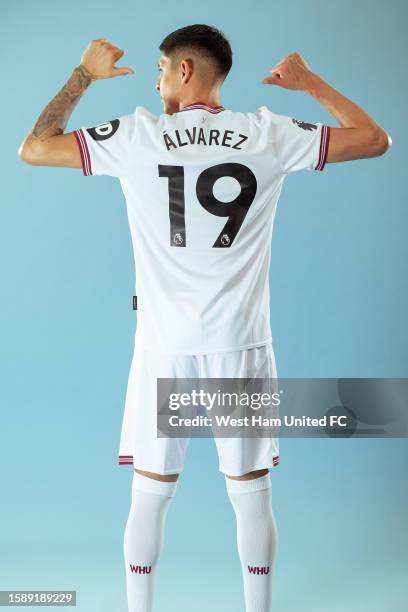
{"x": 104, "y": 130}
{"x": 304, "y": 125}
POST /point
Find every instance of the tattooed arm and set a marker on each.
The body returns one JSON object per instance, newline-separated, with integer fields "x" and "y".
{"x": 46, "y": 144}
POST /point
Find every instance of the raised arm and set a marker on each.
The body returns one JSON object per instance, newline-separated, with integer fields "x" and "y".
{"x": 46, "y": 144}
{"x": 359, "y": 137}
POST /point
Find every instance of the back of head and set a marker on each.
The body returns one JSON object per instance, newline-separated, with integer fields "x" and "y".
{"x": 205, "y": 44}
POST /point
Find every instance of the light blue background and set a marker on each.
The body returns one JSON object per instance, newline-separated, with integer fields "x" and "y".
{"x": 339, "y": 308}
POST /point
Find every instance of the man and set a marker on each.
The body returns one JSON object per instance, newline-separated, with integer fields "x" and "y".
{"x": 201, "y": 184}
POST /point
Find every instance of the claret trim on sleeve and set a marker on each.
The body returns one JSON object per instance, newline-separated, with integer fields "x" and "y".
{"x": 324, "y": 147}
{"x": 84, "y": 151}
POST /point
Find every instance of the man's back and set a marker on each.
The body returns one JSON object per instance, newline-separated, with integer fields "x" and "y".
{"x": 201, "y": 187}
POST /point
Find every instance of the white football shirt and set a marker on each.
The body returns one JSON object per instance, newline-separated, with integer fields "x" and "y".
{"x": 201, "y": 189}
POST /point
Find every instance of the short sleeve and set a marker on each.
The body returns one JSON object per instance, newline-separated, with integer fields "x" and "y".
{"x": 298, "y": 145}
{"x": 107, "y": 148}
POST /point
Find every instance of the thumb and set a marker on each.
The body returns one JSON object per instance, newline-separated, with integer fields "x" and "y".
{"x": 272, "y": 80}
{"x": 122, "y": 71}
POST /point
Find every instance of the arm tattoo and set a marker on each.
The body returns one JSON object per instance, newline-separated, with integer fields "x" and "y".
{"x": 54, "y": 118}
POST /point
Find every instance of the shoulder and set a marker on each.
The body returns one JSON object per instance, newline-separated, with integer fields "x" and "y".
{"x": 262, "y": 116}
{"x": 266, "y": 114}
{"x": 142, "y": 113}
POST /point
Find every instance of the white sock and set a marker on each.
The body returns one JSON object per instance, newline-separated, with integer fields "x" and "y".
{"x": 144, "y": 538}
{"x": 257, "y": 538}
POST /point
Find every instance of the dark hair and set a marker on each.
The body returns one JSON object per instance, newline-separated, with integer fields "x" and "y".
{"x": 209, "y": 41}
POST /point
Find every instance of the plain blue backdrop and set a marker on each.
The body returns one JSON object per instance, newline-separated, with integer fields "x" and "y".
{"x": 338, "y": 309}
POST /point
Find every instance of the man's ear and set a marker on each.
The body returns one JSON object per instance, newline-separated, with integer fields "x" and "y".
{"x": 187, "y": 67}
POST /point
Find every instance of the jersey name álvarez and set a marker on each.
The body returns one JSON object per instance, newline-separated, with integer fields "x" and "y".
{"x": 201, "y": 188}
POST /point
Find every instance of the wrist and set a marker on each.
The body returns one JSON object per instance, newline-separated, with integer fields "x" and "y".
{"x": 314, "y": 85}
{"x": 85, "y": 74}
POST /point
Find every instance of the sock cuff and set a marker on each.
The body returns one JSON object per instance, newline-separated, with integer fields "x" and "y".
{"x": 248, "y": 486}
{"x": 159, "y": 487}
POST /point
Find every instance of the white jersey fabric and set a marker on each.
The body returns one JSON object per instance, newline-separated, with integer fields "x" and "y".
{"x": 201, "y": 188}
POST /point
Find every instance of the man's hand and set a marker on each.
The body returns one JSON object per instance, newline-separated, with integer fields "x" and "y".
{"x": 291, "y": 73}
{"x": 99, "y": 60}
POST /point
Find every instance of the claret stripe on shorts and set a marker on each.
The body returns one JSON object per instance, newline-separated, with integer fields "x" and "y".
{"x": 324, "y": 147}
{"x": 128, "y": 460}
{"x": 125, "y": 459}
{"x": 84, "y": 151}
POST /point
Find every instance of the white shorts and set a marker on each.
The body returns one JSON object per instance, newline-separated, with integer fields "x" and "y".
{"x": 139, "y": 444}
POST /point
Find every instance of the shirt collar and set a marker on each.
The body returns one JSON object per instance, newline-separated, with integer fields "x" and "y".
{"x": 203, "y": 105}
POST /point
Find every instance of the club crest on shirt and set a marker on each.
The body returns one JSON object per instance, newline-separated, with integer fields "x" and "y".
{"x": 304, "y": 125}
{"x": 104, "y": 130}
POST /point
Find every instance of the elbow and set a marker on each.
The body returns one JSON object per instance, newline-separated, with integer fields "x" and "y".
{"x": 30, "y": 154}
{"x": 24, "y": 154}
{"x": 383, "y": 142}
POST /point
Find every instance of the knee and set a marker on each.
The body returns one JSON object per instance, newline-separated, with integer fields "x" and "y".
{"x": 161, "y": 477}
{"x": 250, "y": 475}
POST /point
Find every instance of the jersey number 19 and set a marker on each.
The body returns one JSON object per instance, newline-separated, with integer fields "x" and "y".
{"x": 235, "y": 210}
